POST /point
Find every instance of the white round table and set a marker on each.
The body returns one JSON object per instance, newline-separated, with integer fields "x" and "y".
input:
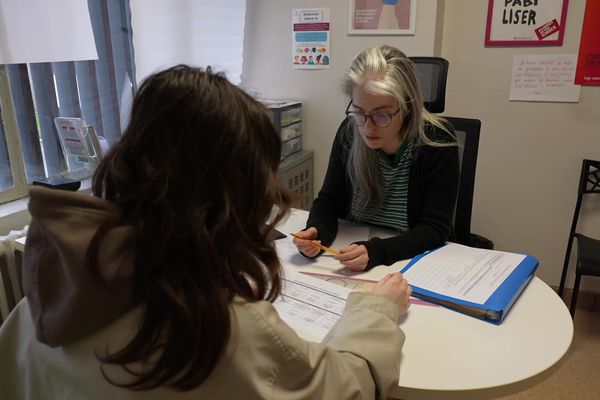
{"x": 448, "y": 355}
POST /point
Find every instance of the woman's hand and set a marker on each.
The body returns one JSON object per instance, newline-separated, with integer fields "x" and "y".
{"x": 354, "y": 257}
{"x": 395, "y": 286}
{"x": 303, "y": 245}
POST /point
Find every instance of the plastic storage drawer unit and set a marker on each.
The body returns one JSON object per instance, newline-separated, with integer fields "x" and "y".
{"x": 287, "y": 118}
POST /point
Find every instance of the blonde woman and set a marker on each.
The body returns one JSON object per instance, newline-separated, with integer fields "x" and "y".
{"x": 392, "y": 164}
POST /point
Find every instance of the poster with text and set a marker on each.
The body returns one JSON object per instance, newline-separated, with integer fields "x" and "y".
{"x": 526, "y": 22}
{"x": 588, "y": 62}
{"x": 382, "y": 17}
{"x": 310, "y": 38}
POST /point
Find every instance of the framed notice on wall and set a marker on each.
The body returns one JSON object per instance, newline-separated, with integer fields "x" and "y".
{"x": 526, "y": 22}
{"x": 382, "y": 17}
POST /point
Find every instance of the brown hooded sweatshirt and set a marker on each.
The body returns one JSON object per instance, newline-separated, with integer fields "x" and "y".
{"x": 50, "y": 342}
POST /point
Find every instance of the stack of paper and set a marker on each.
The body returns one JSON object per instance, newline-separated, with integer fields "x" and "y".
{"x": 310, "y": 306}
{"x": 478, "y": 282}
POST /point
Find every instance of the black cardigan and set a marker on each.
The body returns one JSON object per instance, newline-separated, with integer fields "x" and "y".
{"x": 432, "y": 190}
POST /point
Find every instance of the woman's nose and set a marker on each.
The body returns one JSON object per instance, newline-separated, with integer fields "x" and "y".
{"x": 369, "y": 124}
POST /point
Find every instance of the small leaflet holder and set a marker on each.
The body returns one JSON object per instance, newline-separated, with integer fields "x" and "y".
{"x": 78, "y": 140}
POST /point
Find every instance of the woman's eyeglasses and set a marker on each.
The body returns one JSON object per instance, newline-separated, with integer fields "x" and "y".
{"x": 379, "y": 119}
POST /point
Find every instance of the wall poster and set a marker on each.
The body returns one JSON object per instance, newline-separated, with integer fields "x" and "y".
{"x": 310, "y": 38}
{"x": 526, "y": 22}
{"x": 382, "y": 17}
{"x": 588, "y": 62}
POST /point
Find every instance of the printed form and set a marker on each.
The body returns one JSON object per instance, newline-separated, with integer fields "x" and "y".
{"x": 462, "y": 272}
{"x": 309, "y": 305}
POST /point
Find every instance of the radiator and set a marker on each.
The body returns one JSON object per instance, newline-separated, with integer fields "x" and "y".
{"x": 11, "y": 288}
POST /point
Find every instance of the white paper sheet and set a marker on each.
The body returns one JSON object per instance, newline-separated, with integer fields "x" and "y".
{"x": 462, "y": 272}
{"x": 546, "y": 77}
{"x": 310, "y": 306}
{"x": 328, "y": 267}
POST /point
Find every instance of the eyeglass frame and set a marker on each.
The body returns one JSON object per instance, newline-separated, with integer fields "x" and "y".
{"x": 370, "y": 116}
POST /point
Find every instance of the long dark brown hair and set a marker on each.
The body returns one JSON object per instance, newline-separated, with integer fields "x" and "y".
{"x": 195, "y": 174}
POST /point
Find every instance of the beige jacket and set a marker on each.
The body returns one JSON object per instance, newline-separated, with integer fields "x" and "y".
{"x": 48, "y": 345}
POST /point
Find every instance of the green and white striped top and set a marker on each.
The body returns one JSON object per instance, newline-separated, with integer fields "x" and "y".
{"x": 395, "y": 173}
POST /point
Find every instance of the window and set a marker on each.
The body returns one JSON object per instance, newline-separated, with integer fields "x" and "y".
{"x": 32, "y": 95}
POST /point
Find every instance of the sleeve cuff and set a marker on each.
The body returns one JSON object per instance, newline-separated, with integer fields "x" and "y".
{"x": 375, "y": 255}
{"x": 374, "y": 301}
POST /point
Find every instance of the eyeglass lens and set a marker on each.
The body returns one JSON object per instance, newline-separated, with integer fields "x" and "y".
{"x": 380, "y": 119}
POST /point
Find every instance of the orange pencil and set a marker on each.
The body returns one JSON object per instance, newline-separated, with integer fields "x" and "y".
{"x": 317, "y": 244}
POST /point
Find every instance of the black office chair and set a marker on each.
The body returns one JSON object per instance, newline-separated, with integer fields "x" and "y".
{"x": 467, "y": 132}
{"x": 432, "y": 73}
{"x": 588, "y": 249}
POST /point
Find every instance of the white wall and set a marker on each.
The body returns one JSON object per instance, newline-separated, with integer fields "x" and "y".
{"x": 268, "y": 72}
{"x": 530, "y": 152}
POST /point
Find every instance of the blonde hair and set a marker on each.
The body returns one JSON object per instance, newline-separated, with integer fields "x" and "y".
{"x": 385, "y": 70}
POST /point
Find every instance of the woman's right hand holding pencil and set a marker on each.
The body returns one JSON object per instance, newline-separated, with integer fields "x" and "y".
{"x": 302, "y": 241}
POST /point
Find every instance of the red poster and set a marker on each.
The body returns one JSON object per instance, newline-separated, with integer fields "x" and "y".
{"x": 588, "y": 62}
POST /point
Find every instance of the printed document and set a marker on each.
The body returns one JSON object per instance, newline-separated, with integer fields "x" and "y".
{"x": 462, "y": 272}
{"x": 309, "y": 305}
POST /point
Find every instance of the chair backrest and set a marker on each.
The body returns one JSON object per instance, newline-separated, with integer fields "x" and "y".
{"x": 467, "y": 132}
{"x": 432, "y": 73}
{"x": 589, "y": 181}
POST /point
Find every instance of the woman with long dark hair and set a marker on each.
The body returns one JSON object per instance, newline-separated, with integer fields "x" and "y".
{"x": 160, "y": 284}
